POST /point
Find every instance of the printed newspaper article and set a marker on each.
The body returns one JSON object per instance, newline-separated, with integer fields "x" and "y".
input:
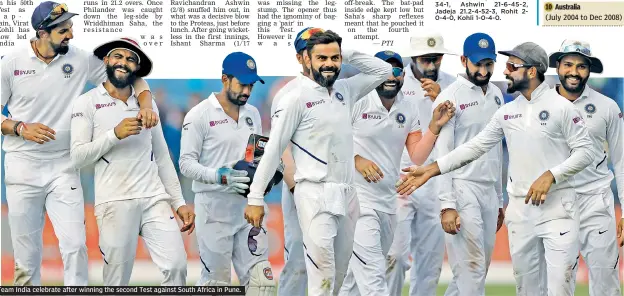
{"x": 181, "y": 49}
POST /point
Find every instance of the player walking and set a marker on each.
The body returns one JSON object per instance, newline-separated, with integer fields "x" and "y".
{"x": 39, "y": 82}
{"x": 574, "y": 63}
{"x": 548, "y": 143}
{"x": 316, "y": 118}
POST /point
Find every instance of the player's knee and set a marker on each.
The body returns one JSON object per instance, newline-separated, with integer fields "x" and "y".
{"x": 74, "y": 245}
{"x": 261, "y": 282}
{"x": 177, "y": 265}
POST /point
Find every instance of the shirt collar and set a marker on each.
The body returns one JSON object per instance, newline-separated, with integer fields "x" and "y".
{"x": 102, "y": 91}
{"x": 212, "y": 99}
{"x": 584, "y": 95}
{"x": 308, "y": 82}
{"x": 461, "y": 78}
{"x": 33, "y": 55}
{"x": 377, "y": 101}
{"x": 538, "y": 92}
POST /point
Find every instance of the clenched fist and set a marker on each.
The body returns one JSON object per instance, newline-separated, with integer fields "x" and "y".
{"x": 127, "y": 127}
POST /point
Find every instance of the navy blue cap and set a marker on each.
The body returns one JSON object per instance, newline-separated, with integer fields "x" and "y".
{"x": 242, "y": 66}
{"x": 479, "y": 46}
{"x": 303, "y": 36}
{"x": 387, "y": 55}
{"x": 42, "y": 12}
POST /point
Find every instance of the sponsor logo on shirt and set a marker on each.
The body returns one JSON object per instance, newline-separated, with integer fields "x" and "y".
{"x": 620, "y": 115}
{"x": 100, "y": 106}
{"x": 312, "y": 104}
{"x": 217, "y": 122}
{"x": 409, "y": 93}
{"x": 370, "y": 116}
{"x": 512, "y": 116}
{"x": 78, "y": 114}
{"x": 24, "y": 72}
{"x": 464, "y": 106}
{"x": 578, "y": 120}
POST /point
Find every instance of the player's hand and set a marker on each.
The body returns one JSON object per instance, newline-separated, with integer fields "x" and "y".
{"x": 37, "y": 132}
{"x": 232, "y": 178}
{"x": 416, "y": 177}
{"x": 501, "y": 219}
{"x": 432, "y": 89}
{"x": 368, "y": 169}
{"x": 128, "y": 127}
{"x": 537, "y": 192}
{"x": 187, "y": 216}
{"x": 148, "y": 117}
{"x": 441, "y": 115}
{"x": 450, "y": 221}
{"x": 254, "y": 215}
{"x": 620, "y": 232}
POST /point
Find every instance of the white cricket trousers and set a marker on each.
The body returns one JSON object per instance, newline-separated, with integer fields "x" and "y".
{"x": 327, "y": 237}
{"x": 34, "y": 187}
{"x": 544, "y": 243}
{"x": 121, "y": 222}
{"x": 225, "y": 238}
{"x": 367, "y": 268}
{"x": 420, "y": 235}
{"x": 293, "y": 279}
{"x": 599, "y": 246}
{"x": 470, "y": 250}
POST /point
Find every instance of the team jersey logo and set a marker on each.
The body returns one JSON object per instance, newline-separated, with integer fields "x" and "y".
{"x": 100, "y": 106}
{"x": 312, "y": 104}
{"x": 590, "y": 108}
{"x": 217, "y": 122}
{"x": 251, "y": 64}
{"x": 620, "y": 115}
{"x": 68, "y": 69}
{"x": 400, "y": 118}
{"x": 340, "y": 97}
{"x": 578, "y": 120}
{"x": 544, "y": 115}
{"x": 249, "y": 121}
{"x": 268, "y": 273}
{"x": 370, "y": 116}
{"x": 497, "y": 100}
{"x": 511, "y": 116}
{"x": 24, "y": 72}
{"x": 464, "y": 106}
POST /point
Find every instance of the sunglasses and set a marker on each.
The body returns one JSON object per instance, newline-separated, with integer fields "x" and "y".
{"x": 396, "y": 71}
{"x": 513, "y": 67}
{"x": 56, "y": 12}
{"x": 252, "y": 243}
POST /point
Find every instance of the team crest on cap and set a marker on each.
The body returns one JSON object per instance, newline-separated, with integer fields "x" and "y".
{"x": 249, "y": 121}
{"x": 483, "y": 43}
{"x": 590, "y": 108}
{"x": 68, "y": 69}
{"x": 251, "y": 64}
{"x": 497, "y": 100}
{"x": 431, "y": 42}
{"x": 544, "y": 115}
{"x": 389, "y": 52}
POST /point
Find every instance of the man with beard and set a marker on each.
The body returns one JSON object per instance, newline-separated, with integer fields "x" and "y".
{"x": 548, "y": 143}
{"x": 418, "y": 231}
{"x": 293, "y": 278}
{"x": 136, "y": 184}
{"x": 383, "y": 119}
{"x": 471, "y": 197}
{"x": 316, "y": 118}
{"x": 39, "y": 82}
{"x": 574, "y": 63}
{"x": 215, "y": 134}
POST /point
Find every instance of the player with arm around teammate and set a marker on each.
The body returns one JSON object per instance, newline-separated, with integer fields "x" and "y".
{"x": 136, "y": 184}
{"x": 39, "y": 81}
{"x": 548, "y": 143}
{"x": 215, "y": 134}
{"x": 598, "y": 235}
{"x": 471, "y": 197}
{"x": 316, "y": 118}
{"x": 381, "y": 121}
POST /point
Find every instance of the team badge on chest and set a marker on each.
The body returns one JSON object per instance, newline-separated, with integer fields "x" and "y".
{"x": 249, "y": 122}
{"x": 68, "y": 69}
{"x": 497, "y": 100}
{"x": 543, "y": 116}
{"x": 400, "y": 119}
{"x": 590, "y": 109}
{"x": 340, "y": 98}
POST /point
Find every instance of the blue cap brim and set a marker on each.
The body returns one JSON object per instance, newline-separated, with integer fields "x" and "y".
{"x": 249, "y": 78}
{"x": 477, "y": 57}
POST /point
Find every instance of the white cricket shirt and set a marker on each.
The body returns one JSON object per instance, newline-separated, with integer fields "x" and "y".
{"x": 292, "y": 84}
{"x": 138, "y": 166}
{"x": 473, "y": 112}
{"x": 318, "y": 124}
{"x": 211, "y": 139}
{"x": 412, "y": 90}
{"x": 379, "y": 135}
{"x": 38, "y": 92}
{"x": 545, "y": 133}
{"x": 605, "y": 124}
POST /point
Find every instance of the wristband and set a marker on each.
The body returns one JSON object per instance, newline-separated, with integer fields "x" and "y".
{"x": 17, "y": 124}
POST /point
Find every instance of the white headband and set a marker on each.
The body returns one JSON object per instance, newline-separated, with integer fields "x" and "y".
{"x": 130, "y": 50}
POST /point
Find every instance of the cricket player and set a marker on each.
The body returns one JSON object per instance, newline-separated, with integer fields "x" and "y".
{"x": 136, "y": 184}
{"x": 383, "y": 119}
{"x": 293, "y": 279}
{"x": 574, "y": 63}
{"x": 471, "y": 197}
{"x": 40, "y": 81}
{"x": 548, "y": 143}
{"x": 316, "y": 118}
{"x": 215, "y": 134}
{"x": 418, "y": 232}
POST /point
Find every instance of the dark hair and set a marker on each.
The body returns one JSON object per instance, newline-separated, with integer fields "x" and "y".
{"x": 325, "y": 37}
{"x": 47, "y": 29}
{"x": 541, "y": 76}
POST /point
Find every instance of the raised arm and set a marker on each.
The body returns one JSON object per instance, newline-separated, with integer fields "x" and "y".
{"x": 373, "y": 72}
{"x": 84, "y": 149}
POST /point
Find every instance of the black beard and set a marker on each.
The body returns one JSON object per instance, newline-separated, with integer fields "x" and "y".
{"x": 473, "y": 78}
{"x": 575, "y": 90}
{"x": 236, "y": 99}
{"x": 387, "y": 93}
{"x": 60, "y": 48}
{"x": 322, "y": 80}
{"x": 120, "y": 83}
{"x": 518, "y": 85}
